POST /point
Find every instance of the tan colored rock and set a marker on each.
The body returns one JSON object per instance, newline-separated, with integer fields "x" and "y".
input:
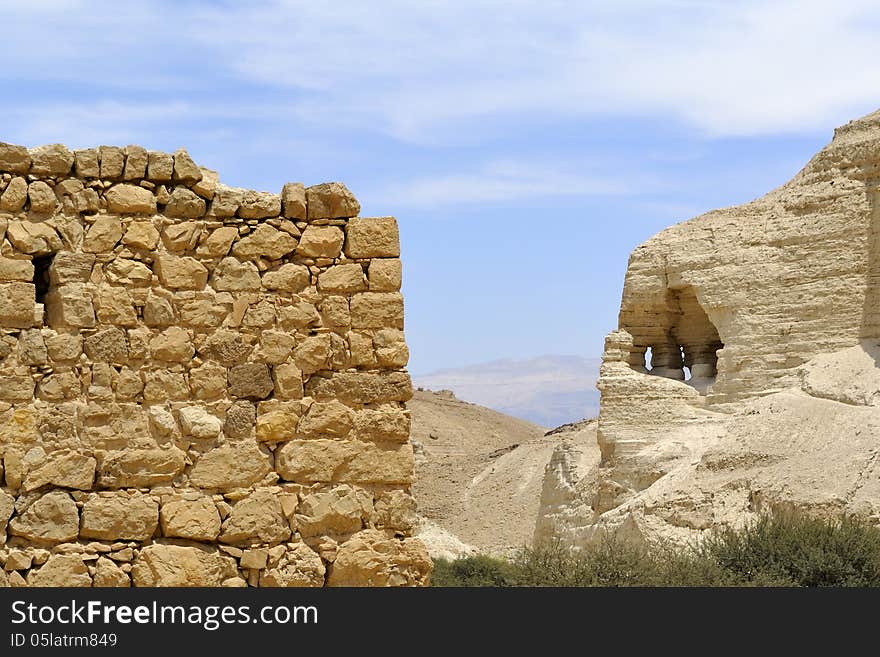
{"x": 33, "y": 238}
{"x": 377, "y": 310}
{"x": 7, "y": 506}
{"x": 230, "y": 466}
{"x": 130, "y": 199}
{"x": 136, "y": 160}
{"x": 51, "y": 160}
{"x": 385, "y": 274}
{"x": 69, "y": 306}
{"x": 343, "y": 461}
{"x": 172, "y": 345}
{"x": 331, "y": 201}
{"x": 112, "y": 161}
{"x": 374, "y": 237}
{"x": 103, "y": 235}
{"x": 67, "y": 570}
{"x": 119, "y": 516}
{"x": 195, "y": 519}
{"x": 140, "y": 467}
{"x": 199, "y": 423}
{"x": 52, "y": 518}
{"x": 372, "y": 558}
{"x": 278, "y": 425}
{"x": 226, "y": 201}
{"x": 288, "y": 381}
{"x": 159, "y": 166}
{"x": 113, "y": 305}
{"x": 185, "y": 170}
{"x": 293, "y": 199}
{"x": 232, "y": 275}
{"x": 14, "y": 159}
{"x": 250, "y": 381}
{"x": 320, "y": 242}
{"x": 259, "y": 205}
{"x": 325, "y": 419}
{"x": 108, "y": 574}
{"x": 16, "y": 270}
{"x": 15, "y": 195}
{"x": 65, "y": 469}
{"x": 287, "y": 278}
{"x": 264, "y": 242}
{"x": 181, "y": 273}
{"x": 299, "y": 566}
{"x": 344, "y": 279}
{"x": 208, "y": 381}
{"x": 254, "y": 558}
{"x": 141, "y": 235}
{"x": 86, "y": 163}
{"x": 185, "y": 204}
{"x": 336, "y": 512}
{"x": 256, "y": 519}
{"x": 361, "y": 387}
{"x": 178, "y": 565}
{"x": 41, "y": 197}
{"x": 218, "y": 243}
{"x": 71, "y": 268}
{"x": 385, "y": 423}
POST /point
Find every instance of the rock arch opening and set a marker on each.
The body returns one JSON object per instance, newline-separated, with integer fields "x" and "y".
{"x": 682, "y": 343}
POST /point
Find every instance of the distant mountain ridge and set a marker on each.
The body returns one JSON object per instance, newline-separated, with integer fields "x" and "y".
{"x": 547, "y": 390}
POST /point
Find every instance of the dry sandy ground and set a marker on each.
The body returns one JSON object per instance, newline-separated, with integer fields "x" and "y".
{"x": 479, "y": 474}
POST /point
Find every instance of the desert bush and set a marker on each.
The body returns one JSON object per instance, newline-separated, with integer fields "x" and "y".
{"x": 779, "y": 549}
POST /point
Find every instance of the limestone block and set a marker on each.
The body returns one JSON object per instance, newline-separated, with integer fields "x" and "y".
{"x": 297, "y": 315}
{"x": 226, "y": 347}
{"x": 373, "y": 558}
{"x": 288, "y": 381}
{"x": 232, "y": 275}
{"x": 159, "y": 166}
{"x": 259, "y": 315}
{"x": 373, "y": 237}
{"x": 299, "y": 566}
{"x": 160, "y": 385}
{"x": 41, "y": 197}
{"x": 59, "y": 386}
{"x": 158, "y": 311}
{"x": 344, "y": 279}
{"x": 293, "y": 199}
{"x": 113, "y": 305}
{"x": 185, "y": 170}
{"x": 361, "y": 387}
{"x": 64, "y": 346}
{"x": 107, "y": 345}
{"x": 141, "y": 235}
{"x": 320, "y": 242}
{"x": 51, "y": 160}
{"x": 179, "y": 565}
{"x": 278, "y": 425}
{"x": 335, "y": 512}
{"x": 195, "y": 519}
{"x": 65, "y": 469}
{"x": 71, "y": 268}
{"x": 172, "y": 345}
{"x": 7, "y": 506}
{"x": 250, "y": 381}
{"x": 274, "y": 347}
{"x": 140, "y": 467}
{"x": 186, "y": 204}
{"x": 259, "y": 205}
{"x": 323, "y": 460}
{"x": 119, "y": 516}
{"x": 208, "y": 381}
{"x": 240, "y": 419}
{"x": 230, "y": 466}
{"x": 103, "y": 235}
{"x": 195, "y": 421}
{"x": 52, "y": 518}
{"x": 181, "y": 273}
{"x": 387, "y": 423}
{"x": 377, "y": 310}
{"x": 130, "y": 199}
{"x": 69, "y": 306}
{"x": 33, "y": 238}
{"x": 136, "y": 160}
{"x": 61, "y": 570}
{"x": 264, "y": 242}
{"x": 287, "y": 278}
{"x": 218, "y": 243}
{"x": 15, "y": 195}
{"x": 14, "y": 159}
{"x": 396, "y": 510}
{"x": 112, "y": 162}
{"x": 256, "y": 519}
{"x": 207, "y": 186}
{"x": 385, "y": 274}
{"x": 126, "y": 272}
{"x": 326, "y": 419}
{"x": 17, "y": 305}
{"x": 335, "y": 312}
{"x": 226, "y": 201}
{"x": 331, "y": 201}
{"x": 16, "y": 388}
{"x": 108, "y": 574}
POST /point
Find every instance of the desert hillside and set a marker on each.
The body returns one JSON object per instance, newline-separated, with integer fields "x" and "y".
{"x": 479, "y": 473}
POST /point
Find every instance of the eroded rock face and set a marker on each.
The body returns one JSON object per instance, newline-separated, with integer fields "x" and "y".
{"x": 158, "y": 334}
{"x": 760, "y": 324}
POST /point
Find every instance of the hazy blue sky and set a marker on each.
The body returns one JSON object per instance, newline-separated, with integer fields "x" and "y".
{"x": 525, "y": 147}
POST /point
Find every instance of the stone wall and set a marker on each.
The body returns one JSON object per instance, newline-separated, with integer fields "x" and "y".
{"x": 199, "y": 385}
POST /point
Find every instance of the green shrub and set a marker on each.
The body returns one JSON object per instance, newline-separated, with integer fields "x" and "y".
{"x": 780, "y": 549}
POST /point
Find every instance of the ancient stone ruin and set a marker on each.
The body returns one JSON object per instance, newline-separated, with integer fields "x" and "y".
{"x": 199, "y": 385}
{"x": 743, "y": 374}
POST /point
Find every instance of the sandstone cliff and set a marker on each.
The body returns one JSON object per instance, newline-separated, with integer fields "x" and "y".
{"x": 744, "y": 371}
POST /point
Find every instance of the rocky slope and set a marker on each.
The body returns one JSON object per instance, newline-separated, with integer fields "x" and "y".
{"x": 761, "y": 323}
{"x": 479, "y": 474}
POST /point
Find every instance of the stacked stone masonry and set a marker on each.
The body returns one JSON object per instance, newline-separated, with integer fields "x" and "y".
{"x": 199, "y": 385}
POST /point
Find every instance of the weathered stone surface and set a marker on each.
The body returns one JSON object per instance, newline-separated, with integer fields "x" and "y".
{"x": 299, "y": 566}
{"x": 331, "y": 201}
{"x": 41, "y": 198}
{"x": 250, "y": 381}
{"x": 33, "y": 238}
{"x": 70, "y": 268}
{"x": 7, "y": 505}
{"x": 278, "y": 425}
{"x": 342, "y": 278}
{"x": 112, "y": 161}
{"x": 172, "y": 345}
{"x": 256, "y": 519}
{"x": 108, "y": 574}
{"x": 141, "y": 235}
{"x": 185, "y": 170}
{"x": 259, "y": 205}
{"x": 16, "y": 304}
{"x": 52, "y": 518}
{"x": 199, "y": 423}
{"x": 320, "y": 242}
{"x": 331, "y": 418}
{"x": 288, "y": 381}
{"x": 140, "y": 467}
{"x": 69, "y": 306}
{"x": 386, "y": 423}
{"x": 385, "y": 274}
{"x": 335, "y": 512}
{"x": 14, "y": 159}
{"x": 179, "y": 565}
{"x": 86, "y": 163}
{"x": 344, "y": 461}
{"x": 119, "y": 516}
{"x": 159, "y": 166}
{"x": 136, "y": 160}
{"x": 287, "y": 278}
{"x": 372, "y": 558}
{"x": 185, "y": 203}
{"x": 103, "y": 234}
{"x": 264, "y": 242}
{"x": 195, "y": 519}
{"x": 361, "y": 387}
{"x": 293, "y": 198}
{"x": 226, "y": 201}
{"x": 113, "y": 305}
{"x": 65, "y": 468}
{"x": 373, "y": 237}
{"x": 51, "y": 160}
{"x": 232, "y": 275}
{"x": 130, "y": 199}
{"x": 16, "y": 270}
{"x": 230, "y": 466}
{"x": 15, "y": 195}
{"x": 377, "y": 310}
{"x": 181, "y": 273}
{"x": 67, "y": 570}
{"x": 218, "y": 243}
